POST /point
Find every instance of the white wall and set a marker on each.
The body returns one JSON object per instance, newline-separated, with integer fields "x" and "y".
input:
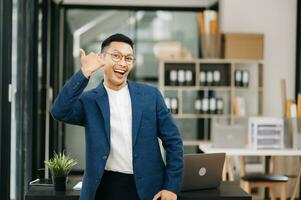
{"x": 277, "y": 20}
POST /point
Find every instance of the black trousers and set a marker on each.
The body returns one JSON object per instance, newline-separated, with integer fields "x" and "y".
{"x": 117, "y": 186}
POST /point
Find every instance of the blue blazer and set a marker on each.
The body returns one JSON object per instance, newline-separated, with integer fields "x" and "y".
{"x": 150, "y": 120}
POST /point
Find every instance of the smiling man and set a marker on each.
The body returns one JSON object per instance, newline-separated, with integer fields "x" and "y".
{"x": 123, "y": 121}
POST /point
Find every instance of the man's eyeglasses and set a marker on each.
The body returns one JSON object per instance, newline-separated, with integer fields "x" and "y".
{"x": 116, "y": 57}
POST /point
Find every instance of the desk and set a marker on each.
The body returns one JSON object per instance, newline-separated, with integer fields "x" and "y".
{"x": 227, "y": 190}
{"x": 48, "y": 193}
{"x": 207, "y": 148}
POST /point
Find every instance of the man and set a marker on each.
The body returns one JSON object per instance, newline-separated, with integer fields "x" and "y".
{"x": 123, "y": 121}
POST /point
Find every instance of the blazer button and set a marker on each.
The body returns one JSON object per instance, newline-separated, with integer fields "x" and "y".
{"x": 104, "y": 157}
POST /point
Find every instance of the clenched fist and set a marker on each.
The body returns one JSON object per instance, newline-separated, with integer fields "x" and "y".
{"x": 91, "y": 62}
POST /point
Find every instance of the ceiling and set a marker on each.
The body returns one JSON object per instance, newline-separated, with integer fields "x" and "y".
{"x": 141, "y": 3}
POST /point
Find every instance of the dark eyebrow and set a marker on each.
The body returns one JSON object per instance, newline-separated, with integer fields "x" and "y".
{"x": 130, "y": 54}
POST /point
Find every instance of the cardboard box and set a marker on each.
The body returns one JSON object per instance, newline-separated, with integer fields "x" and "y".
{"x": 171, "y": 50}
{"x": 243, "y": 46}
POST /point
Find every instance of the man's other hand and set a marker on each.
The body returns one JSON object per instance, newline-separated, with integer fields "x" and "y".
{"x": 91, "y": 62}
{"x": 165, "y": 195}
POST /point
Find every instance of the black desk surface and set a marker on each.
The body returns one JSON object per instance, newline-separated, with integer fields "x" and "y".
{"x": 227, "y": 190}
{"x": 48, "y": 193}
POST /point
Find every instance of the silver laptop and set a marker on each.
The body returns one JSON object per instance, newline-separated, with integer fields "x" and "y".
{"x": 202, "y": 171}
{"x": 228, "y": 136}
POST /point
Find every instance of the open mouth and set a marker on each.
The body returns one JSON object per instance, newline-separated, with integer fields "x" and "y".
{"x": 119, "y": 71}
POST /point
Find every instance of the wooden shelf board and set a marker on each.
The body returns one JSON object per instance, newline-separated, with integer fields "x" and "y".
{"x": 248, "y": 89}
{"x": 198, "y": 116}
{"x": 219, "y": 88}
{"x": 213, "y": 60}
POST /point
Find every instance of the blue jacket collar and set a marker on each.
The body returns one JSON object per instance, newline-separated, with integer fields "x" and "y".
{"x": 137, "y": 107}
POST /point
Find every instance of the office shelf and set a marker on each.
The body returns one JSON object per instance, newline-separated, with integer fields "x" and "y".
{"x": 226, "y": 89}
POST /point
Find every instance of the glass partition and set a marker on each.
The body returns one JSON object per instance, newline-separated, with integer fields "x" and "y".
{"x": 148, "y": 29}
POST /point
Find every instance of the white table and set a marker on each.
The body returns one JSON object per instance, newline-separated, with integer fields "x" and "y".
{"x": 207, "y": 148}
{"x": 242, "y": 152}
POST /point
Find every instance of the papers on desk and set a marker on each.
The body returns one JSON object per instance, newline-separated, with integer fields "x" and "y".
{"x": 78, "y": 186}
{"x": 41, "y": 182}
{"x": 266, "y": 133}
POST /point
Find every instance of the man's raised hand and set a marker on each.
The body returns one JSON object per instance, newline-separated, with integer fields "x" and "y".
{"x": 91, "y": 62}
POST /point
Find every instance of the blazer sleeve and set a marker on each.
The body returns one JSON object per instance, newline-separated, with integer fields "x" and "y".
{"x": 173, "y": 145}
{"x": 68, "y": 106}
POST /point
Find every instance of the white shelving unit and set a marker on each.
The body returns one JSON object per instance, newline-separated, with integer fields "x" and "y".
{"x": 253, "y": 94}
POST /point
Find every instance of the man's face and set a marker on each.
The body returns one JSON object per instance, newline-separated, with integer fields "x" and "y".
{"x": 117, "y": 56}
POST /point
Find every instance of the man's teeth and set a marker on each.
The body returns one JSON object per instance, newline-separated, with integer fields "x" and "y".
{"x": 119, "y": 71}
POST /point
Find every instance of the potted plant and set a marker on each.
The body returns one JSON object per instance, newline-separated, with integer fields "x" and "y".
{"x": 60, "y": 166}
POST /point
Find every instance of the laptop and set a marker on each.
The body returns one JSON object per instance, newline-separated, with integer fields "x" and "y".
{"x": 228, "y": 136}
{"x": 202, "y": 171}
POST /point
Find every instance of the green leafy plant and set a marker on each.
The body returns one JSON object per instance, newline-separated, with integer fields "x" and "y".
{"x": 60, "y": 165}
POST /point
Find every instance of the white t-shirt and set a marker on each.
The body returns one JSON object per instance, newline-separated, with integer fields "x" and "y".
{"x": 120, "y": 158}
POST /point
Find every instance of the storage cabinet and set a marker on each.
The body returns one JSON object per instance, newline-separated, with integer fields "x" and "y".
{"x": 205, "y": 89}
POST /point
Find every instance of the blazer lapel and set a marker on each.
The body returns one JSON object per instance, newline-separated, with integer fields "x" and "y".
{"x": 137, "y": 107}
{"x": 103, "y": 103}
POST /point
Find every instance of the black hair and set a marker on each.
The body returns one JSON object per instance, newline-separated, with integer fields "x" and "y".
{"x": 118, "y": 37}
